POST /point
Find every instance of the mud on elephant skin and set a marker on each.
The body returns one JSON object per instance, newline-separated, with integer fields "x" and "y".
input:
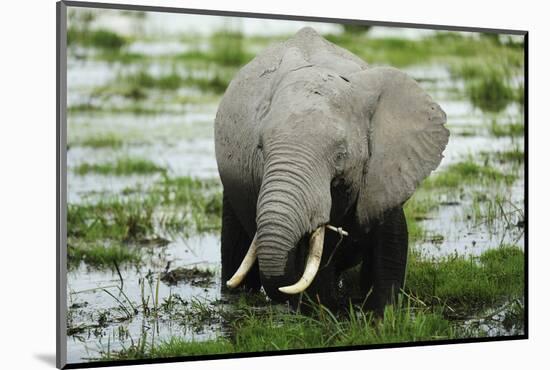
{"x": 307, "y": 134}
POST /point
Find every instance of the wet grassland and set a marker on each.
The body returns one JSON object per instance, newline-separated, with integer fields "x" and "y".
{"x": 144, "y": 199}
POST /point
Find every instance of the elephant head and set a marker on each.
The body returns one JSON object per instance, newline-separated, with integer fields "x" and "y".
{"x": 333, "y": 142}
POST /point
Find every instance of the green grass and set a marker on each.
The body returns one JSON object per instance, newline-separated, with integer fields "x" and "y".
{"x": 102, "y": 256}
{"x": 468, "y": 284}
{"x": 121, "y": 56}
{"x": 465, "y": 173}
{"x": 515, "y": 155}
{"x": 184, "y": 204}
{"x": 442, "y": 295}
{"x": 356, "y": 28}
{"x": 123, "y": 166}
{"x": 103, "y": 108}
{"x": 190, "y": 190}
{"x": 215, "y": 82}
{"x": 491, "y": 93}
{"x": 507, "y": 130}
{"x": 488, "y": 84}
{"x": 441, "y": 47}
{"x": 101, "y": 141}
{"x": 113, "y": 220}
{"x": 228, "y": 48}
{"x": 200, "y": 200}
{"x": 144, "y": 79}
{"x": 101, "y": 38}
{"x": 274, "y": 330}
{"x": 109, "y": 231}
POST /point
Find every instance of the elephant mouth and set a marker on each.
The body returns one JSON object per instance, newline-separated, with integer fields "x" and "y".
{"x": 313, "y": 261}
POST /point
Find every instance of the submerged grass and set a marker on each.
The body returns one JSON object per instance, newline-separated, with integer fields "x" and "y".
{"x": 123, "y": 166}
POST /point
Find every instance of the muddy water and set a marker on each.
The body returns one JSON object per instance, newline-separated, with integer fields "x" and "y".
{"x": 181, "y": 140}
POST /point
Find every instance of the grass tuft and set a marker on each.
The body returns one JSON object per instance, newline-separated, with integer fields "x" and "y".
{"x": 491, "y": 93}
{"x": 102, "y": 38}
{"x": 114, "y": 220}
{"x": 200, "y": 200}
{"x": 467, "y": 283}
{"x": 273, "y": 329}
{"x": 507, "y": 130}
{"x": 467, "y": 173}
{"x": 102, "y": 141}
{"x": 101, "y": 256}
{"x": 123, "y": 166}
{"x": 227, "y": 48}
{"x": 143, "y": 79}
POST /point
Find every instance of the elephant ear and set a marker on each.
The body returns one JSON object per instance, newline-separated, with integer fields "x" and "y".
{"x": 406, "y": 139}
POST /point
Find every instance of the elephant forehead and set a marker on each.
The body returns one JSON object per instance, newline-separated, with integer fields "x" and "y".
{"x": 311, "y": 87}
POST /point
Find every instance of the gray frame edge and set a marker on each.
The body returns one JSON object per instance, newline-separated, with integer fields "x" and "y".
{"x": 61, "y": 189}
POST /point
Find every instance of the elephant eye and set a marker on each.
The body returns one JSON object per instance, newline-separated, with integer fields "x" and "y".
{"x": 340, "y": 161}
{"x": 341, "y": 156}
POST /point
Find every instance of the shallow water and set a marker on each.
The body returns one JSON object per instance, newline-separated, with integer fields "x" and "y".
{"x": 180, "y": 138}
{"x": 89, "y": 300}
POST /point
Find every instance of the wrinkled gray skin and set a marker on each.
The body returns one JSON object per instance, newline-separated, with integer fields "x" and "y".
{"x": 308, "y": 134}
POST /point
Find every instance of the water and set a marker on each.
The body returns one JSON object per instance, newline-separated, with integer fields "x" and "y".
{"x": 180, "y": 138}
{"x": 89, "y": 300}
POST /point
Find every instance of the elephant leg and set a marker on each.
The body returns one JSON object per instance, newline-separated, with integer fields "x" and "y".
{"x": 385, "y": 261}
{"x": 234, "y": 245}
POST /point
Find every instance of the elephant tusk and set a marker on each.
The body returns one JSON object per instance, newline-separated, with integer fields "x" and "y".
{"x": 312, "y": 265}
{"x": 246, "y": 265}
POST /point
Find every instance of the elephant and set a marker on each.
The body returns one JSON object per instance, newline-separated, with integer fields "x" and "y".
{"x": 310, "y": 139}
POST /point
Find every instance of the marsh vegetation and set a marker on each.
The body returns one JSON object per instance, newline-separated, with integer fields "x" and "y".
{"x": 144, "y": 199}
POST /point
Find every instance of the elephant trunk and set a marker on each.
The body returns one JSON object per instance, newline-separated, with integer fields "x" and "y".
{"x": 294, "y": 200}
